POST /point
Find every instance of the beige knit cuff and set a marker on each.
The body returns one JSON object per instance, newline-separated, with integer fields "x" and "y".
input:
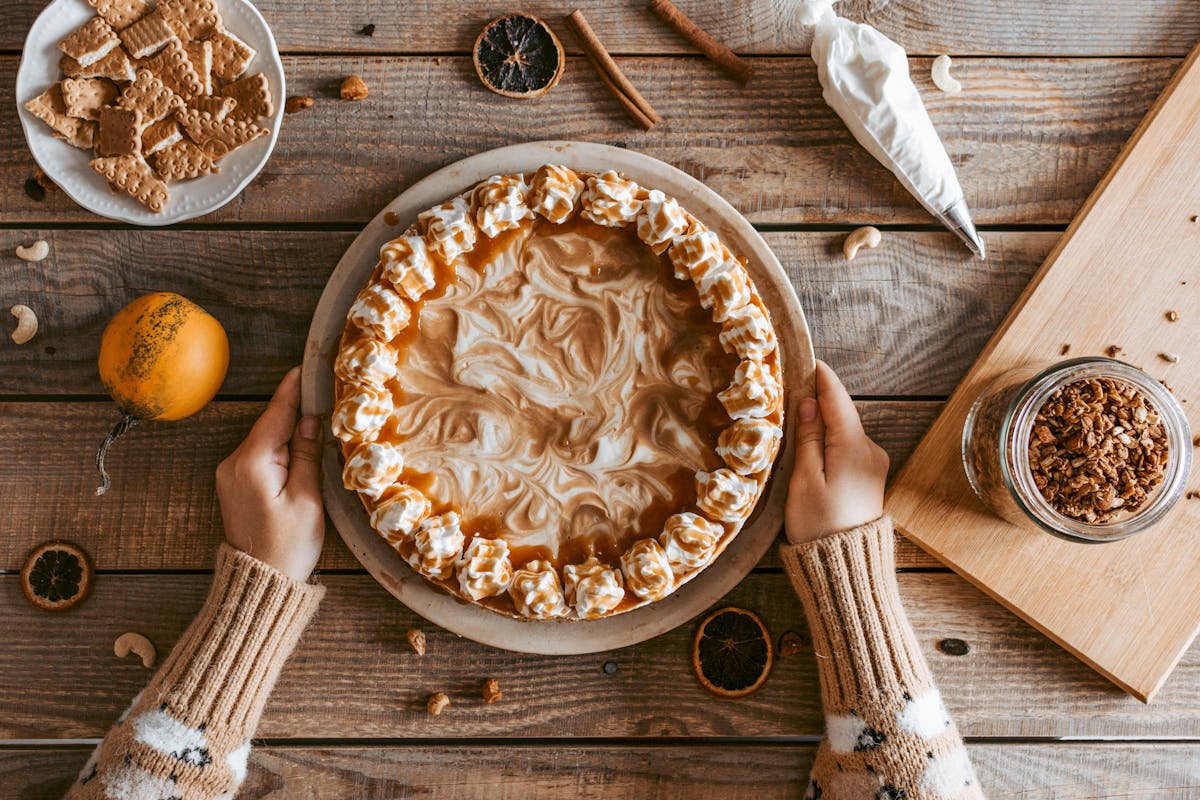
{"x": 864, "y": 645}
{"x": 225, "y": 666}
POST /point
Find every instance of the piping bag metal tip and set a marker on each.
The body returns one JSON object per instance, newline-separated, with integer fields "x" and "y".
{"x": 958, "y": 219}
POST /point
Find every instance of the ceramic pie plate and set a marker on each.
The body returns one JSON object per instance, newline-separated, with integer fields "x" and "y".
{"x": 68, "y": 166}
{"x": 556, "y": 637}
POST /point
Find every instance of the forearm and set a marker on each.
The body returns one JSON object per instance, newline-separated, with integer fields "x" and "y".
{"x": 187, "y": 734}
{"x": 886, "y": 726}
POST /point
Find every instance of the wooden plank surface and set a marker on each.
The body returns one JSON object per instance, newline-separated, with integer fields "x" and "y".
{"x": 1122, "y": 265}
{"x": 905, "y": 319}
{"x": 1030, "y": 137}
{"x": 161, "y": 512}
{"x": 1010, "y": 27}
{"x": 648, "y": 772}
{"x": 354, "y": 676}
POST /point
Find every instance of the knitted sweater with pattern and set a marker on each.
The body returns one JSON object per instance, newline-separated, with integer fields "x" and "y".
{"x": 187, "y": 734}
{"x": 888, "y": 736}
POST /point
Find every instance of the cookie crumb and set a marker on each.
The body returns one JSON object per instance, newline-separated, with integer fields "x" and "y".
{"x": 1170, "y": 358}
{"x": 437, "y": 703}
{"x": 367, "y": 30}
{"x": 1112, "y": 351}
{"x": 297, "y": 103}
{"x": 354, "y": 88}
{"x": 491, "y": 691}
{"x": 1066, "y": 348}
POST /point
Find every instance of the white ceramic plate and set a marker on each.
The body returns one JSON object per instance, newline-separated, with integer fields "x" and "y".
{"x": 68, "y": 166}
{"x": 552, "y": 637}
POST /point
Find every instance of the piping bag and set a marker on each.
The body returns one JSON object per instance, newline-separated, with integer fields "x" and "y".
{"x": 865, "y": 79}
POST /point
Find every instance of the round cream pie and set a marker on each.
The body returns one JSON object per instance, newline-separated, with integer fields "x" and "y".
{"x": 559, "y": 395}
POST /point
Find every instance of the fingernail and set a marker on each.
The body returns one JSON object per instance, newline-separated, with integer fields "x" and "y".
{"x": 808, "y": 409}
{"x": 308, "y": 428}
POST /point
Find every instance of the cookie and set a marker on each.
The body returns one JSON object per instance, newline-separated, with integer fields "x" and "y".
{"x": 218, "y": 107}
{"x": 216, "y": 136}
{"x": 253, "y": 96}
{"x": 90, "y": 43}
{"x": 174, "y": 69}
{"x": 51, "y": 109}
{"x": 132, "y": 175}
{"x": 83, "y": 97}
{"x": 184, "y": 160}
{"x": 151, "y": 96}
{"x": 148, "y": 35}
{"x": 120, "y": 132}
{"x": 115, "y": 66}
{"x": 231, "y": 55}
{"x": 160, "y": 135}
{"x": 200, "y": 54}
{"x": 120, "y": 13}
{"x": 195, "y": 19}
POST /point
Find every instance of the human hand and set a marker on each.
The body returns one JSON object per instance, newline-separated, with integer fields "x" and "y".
{"x": 839, "y": 476}
{"x": 269, "y": 487}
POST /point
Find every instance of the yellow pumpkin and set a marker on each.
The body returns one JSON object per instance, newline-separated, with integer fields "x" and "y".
{"x": 162, "y": 357}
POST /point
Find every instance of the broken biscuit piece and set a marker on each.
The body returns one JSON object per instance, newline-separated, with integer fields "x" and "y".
{"x": 84, "y": 97}
{"x": 90, "y": 43}
{"x": 133, "y": 176}
{"x": 253, "y": 96}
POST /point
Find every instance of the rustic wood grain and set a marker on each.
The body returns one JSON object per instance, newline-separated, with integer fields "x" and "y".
{"x": 355, "y": 676}
{"x": 1012, "y": 27}
{"x": 1030, "y": 137}
{"x": 1136, "y": 233}
{"x": 1019, "y": 771}
{"x": 905, "y": 319}
{"x": 161, "y": 512}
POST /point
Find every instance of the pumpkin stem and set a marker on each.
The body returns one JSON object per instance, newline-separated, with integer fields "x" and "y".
{"x": 118, "y": 430}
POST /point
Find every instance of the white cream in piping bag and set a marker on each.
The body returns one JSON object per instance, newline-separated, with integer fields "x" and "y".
{"x": 866, "y": 81}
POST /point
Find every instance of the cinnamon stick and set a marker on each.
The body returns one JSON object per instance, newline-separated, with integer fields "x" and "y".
{"x": 730, "y": 63}
{"x": 630, "y": 98}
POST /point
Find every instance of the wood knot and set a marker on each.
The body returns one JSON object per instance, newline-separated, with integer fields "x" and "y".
{"x": 954, "y": 647}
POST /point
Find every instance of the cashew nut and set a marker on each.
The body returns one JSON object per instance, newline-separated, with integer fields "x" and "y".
{"x": 942, "y": 77}
{"x": 26, "y": 324}
{"x": 132, "y": 642}
{"x": 35, "y": 252}
{"x": 862, "y": 237}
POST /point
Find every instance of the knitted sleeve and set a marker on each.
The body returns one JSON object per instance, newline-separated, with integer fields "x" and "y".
{"x": 187, "y": 734}
{"x": 887, "y": 733}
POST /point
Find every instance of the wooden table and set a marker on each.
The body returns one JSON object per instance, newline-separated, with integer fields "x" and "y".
{"x": 1051, "y": 92}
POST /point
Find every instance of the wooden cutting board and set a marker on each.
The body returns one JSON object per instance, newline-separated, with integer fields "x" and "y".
{"x": 1131, "y": 608}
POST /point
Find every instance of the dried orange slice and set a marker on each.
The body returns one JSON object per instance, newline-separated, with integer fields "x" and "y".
{"x": 517, "y": 55}
{"x": 732, "y": 653}
{"x": 56, "y": 576}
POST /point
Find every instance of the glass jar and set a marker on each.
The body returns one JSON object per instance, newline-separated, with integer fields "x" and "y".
{"x": 995, "y": 448}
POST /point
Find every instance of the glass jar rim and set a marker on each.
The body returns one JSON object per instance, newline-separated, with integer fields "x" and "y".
{"x": 1016, "y": 426}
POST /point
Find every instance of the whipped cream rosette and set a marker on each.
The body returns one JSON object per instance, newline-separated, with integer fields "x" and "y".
{"x": 501, "y": 204}
{"x": 367, "y": 361}
{"x": 380, "y": 311}
{"x": 398, "y": 513}
{"x": 436, "y": 545}
{"x": 372, "y": 467}
{"x": 593, "y": 588}
{"x": 689, "y": 542}
{"x": 484, "y": 569}
{"x": 558, "y": 395}
{"x": 537, "y": 591}
{"x": 554, "y": 193}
